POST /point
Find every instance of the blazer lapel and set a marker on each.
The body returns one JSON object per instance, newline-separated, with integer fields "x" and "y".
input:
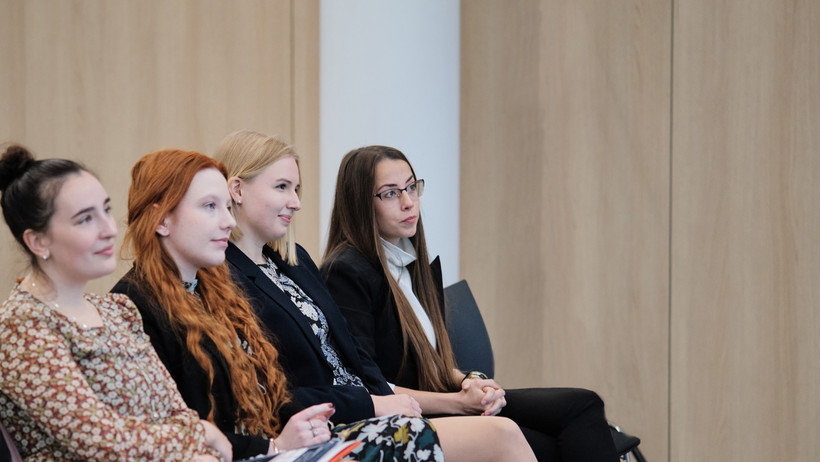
{"x": 314, "y": 287}
{"x": 263, "y": 283}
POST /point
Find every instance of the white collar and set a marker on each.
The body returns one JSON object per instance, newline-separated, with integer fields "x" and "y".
{"x": 400, "y": 255}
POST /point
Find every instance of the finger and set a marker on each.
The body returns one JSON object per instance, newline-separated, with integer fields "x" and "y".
{"x": 496, "y": 407}
{"x": 321, "y": 411}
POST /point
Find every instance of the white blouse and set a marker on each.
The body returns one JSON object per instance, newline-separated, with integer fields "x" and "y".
{"x": 398, "y": 257}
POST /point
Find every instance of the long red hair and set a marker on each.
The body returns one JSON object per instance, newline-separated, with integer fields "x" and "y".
{"x": 158, "y": 183}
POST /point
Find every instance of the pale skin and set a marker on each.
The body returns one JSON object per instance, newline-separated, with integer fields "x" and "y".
{"x": 78, "y": 246}
{"x": 463, "y": 439}
{"x": 207, "y": 204}
{"x": 395, "y": 220}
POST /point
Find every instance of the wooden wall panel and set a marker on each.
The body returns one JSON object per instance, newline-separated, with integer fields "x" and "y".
{"x": 106, "y": 81}
{"x": 565, "y": 193}
{"x": 745, "y": 246}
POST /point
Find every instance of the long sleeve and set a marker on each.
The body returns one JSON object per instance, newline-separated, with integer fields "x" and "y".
{"x": 189, "y": 377}
{"x": 89, "y": 393}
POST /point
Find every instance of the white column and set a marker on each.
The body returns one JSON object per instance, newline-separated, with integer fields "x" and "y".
{"x": 390, "y": 75}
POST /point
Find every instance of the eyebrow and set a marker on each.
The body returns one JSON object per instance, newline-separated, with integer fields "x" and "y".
{"x": 393, "y": 185}
{"x": 89, "y": 209}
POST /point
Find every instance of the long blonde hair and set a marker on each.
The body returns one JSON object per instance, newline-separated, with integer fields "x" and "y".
{"x": 245, "y": 154}
{"x": 158, "y": 183}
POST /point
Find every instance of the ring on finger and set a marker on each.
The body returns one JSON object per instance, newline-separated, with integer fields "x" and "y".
{"x": 315, "y": 431}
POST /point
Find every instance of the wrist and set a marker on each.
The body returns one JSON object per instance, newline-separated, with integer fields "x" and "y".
{"x": 474, "y": 375}
{"x": 273, "y": 448}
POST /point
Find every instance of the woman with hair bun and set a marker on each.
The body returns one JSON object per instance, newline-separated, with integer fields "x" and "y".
{"x": 79, "y": 379}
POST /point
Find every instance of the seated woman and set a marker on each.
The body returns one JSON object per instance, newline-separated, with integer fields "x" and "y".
{"x": 322, "y": 359}
{"x": 378, "y": 271}
{"x": 78, "y": 377}
{"x": 206, "y": 333}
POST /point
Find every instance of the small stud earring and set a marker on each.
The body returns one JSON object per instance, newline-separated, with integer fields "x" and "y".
{"x": 45, "y": 257}
{"x": 238, "y": 202}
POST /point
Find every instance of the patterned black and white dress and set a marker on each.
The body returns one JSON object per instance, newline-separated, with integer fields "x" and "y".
{"x": 395, "y": 437}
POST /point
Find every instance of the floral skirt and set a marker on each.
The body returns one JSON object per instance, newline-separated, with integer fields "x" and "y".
{"x": 393, "y": 437}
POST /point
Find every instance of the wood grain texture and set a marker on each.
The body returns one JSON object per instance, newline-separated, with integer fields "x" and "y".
{"x": 105, "y": 82}
{"x": 745, "y": 246}
{"x": 565, "y": 197}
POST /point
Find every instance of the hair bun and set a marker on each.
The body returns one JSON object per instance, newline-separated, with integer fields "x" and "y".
{"x": 15, "y": 162}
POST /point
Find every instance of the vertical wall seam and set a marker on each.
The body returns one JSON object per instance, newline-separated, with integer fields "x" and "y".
{"x": 292, "y": 72}
{"x": 671, "y": 216}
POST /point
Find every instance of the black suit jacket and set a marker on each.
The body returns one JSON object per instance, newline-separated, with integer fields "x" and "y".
{"x": 191, "y": 379}
{"x": 362, "y": 292}
{"x": 299, "y": 349}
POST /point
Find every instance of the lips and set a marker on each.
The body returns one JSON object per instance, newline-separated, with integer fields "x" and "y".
{"x": 221, "y": 242}
{"x": 286, "y": 218}
{"x": 410, "y": 220}
{"x": 106, "y": 252}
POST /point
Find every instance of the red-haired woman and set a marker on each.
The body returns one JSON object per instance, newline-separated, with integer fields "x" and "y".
{"x": 205, "y": 331}
{"x": 78, "y": 377}
{"x": 292, "y": 301}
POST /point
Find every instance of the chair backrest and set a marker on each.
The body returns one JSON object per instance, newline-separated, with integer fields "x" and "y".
{"x": 468, "y": 334}
{"x": 8, "y": 452}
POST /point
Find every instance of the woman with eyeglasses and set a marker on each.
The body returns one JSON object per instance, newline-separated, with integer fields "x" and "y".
{"x": 317, "y": 351}
{"x": 206, "y": 333}
{"x": 378, "y": 270}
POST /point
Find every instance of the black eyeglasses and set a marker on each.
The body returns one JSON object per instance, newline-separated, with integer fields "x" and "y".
{"x": 414, "y": 189}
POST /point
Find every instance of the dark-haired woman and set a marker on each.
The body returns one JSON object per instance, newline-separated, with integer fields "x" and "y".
{"x": 378, "y": 271}
{"x": 205, "y": 331}
{"x": 285, "y": 287}
{"x": 78, "y": 377}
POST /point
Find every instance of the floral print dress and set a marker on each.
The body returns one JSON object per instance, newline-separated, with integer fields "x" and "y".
{"x": 69, "y": 392}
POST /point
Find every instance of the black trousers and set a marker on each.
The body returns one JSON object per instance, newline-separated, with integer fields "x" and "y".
{"x": 562, "y": 424}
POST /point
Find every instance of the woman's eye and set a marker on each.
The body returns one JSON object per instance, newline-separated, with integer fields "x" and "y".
{"x": 108, "y": 210}
{"x": 84, "y": 219}
{"x": 210, "y": 206}
{"x": 389, "y": 194}
{"x": 412, "y": 187}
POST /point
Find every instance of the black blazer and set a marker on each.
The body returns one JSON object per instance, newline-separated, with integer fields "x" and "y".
{"x": 190, "y": 378}
{"x": 362, "y": 292}
{"x": 299, "y": 350}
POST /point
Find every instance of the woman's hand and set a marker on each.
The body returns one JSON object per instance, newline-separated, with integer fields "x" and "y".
{"x": 217, "y": 440}
{"x": 306, "y": 427}
{"x": 482, "y": 396}
{"x": 395, "y": 404}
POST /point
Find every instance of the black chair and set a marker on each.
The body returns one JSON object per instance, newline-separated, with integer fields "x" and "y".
{"x": 474, "y": 351}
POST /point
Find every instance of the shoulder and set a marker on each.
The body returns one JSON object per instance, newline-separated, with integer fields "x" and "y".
{"x": 21, "y": 309}
{"x": 350, "y": 261}
{"x": 119, "y": 304}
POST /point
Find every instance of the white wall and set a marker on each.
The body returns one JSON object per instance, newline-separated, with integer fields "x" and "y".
{"x": 390, "y": 75}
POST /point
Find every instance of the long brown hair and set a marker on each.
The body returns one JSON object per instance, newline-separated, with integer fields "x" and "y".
{"x": 353, "y": 224}
{"x": 158, "y": 183}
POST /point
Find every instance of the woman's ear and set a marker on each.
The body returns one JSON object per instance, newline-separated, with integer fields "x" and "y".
{"x": 162, "y": 228}
{"x": 235, "y": 188}
{"x": 37, "y": 243}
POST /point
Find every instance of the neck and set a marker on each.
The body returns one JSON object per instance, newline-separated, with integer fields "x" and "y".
{"x": 252, "y": 248}
{"x": 54, "y": 290}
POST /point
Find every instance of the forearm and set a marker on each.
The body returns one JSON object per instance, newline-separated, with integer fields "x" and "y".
{"x": 436, "y": 403}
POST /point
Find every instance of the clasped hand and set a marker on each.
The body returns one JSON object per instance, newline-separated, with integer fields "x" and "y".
{"x": 482, "y": 396}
